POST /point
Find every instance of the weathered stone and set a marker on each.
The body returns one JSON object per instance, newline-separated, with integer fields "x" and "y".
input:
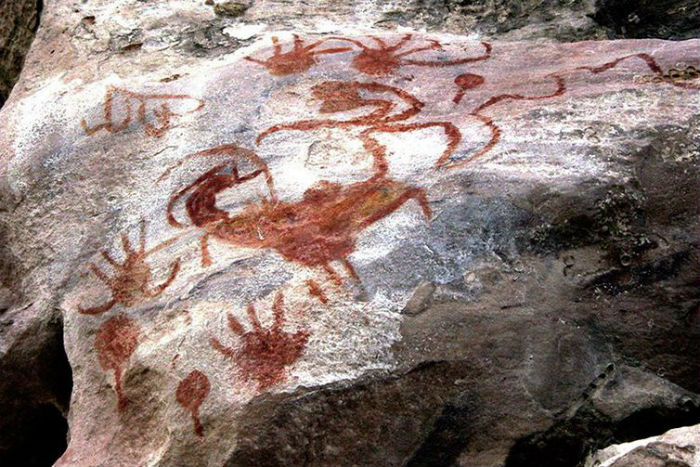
{"x": 678, "y": 448}
{"x": 349, "y": 248}
{"x": 18, "y": 22}
{"x": 35, "y": 386}
{"x": 232, "y": 9}
{"x": 678, "y": 19}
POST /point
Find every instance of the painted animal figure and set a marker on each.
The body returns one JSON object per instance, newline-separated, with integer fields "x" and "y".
{"x": 317, "y": 230}
{"x": 264, "y": 353}
{"x": 323, "y": 226}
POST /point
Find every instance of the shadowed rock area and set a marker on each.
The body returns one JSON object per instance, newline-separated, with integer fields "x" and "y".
{"x": 19, "y": 20}
{"x": 424, "y": 233}
{"x": 665, "y": 19}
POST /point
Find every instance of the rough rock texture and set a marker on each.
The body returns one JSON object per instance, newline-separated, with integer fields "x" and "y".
{"x": 667, "y": 19}
{"x": 679, "y": 447}
{"x": 348, "y": 248}
{"x": 190, "y": 26}
{"x": 19, "y": 20}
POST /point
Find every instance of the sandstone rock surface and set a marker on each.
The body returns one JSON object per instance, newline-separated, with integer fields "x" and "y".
{"x": 19, "y": 20}
{"x": 354, "y": 247}
{"x": 678, "y": 447}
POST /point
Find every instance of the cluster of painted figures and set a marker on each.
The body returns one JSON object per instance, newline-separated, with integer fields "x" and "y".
{"x": 318, "y": 231}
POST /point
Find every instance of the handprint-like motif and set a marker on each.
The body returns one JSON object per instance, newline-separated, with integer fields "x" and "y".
{"x": 264, "y": 353}
{"x": 131, "y": 284}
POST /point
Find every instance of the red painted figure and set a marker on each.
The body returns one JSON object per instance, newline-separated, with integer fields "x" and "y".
{"x": 131, "y": 285}
{"x": 323, "y": 226}
{"x": 115, "y": 342}
{"x": 340, "y": 96}
{"x": 469, "y": 81}
{"x": 320, "y": 228}
{"x": 264, "y": 353}
{"x": 385, "y": 59}
{"x": 297, "y": 60}
{"x": 119, "y": 111}
{"x": 465, "y": 82}
{"x": 190, "y": 394}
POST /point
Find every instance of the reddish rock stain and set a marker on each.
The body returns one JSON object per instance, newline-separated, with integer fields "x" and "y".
{"x": 299, "y": 59}
{"x": 115, "y": 342}
{"x": 131, "y": 284}
{"x": 119, "y": 118}
{"x": 264, "y": 353}
{"x": 191, "y": 393}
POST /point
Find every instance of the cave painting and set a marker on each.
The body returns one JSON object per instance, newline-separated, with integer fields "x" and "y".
{"x": 190, "y": 394}
{"x": 341, "y": 96}
{"x": 298, "y": 59}
{"x": 122, "y": 107}
{"x": 315, "y": 290}
{"x": 115, "y": 342}
{"x": 381, "y": 60}
{"x": 317, "y": 230}
{"x": 385, "y": 59}
{"x": 264, "y": 353}
{"x": 131, "y": 284}
{"x": 465, "y": 82}
{"x": 469, "y": 81}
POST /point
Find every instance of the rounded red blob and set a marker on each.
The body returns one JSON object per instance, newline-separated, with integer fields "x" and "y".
{"x": 190, "y": 394}
{"x": 469, "y": 80}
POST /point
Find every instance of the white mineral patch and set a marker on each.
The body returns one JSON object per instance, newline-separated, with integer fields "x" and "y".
{"x": 243, "y": 31}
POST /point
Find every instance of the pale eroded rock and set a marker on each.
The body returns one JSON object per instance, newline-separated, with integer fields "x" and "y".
{"x": 679, "y": 447}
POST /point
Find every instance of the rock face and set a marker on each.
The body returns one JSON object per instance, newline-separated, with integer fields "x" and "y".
{"x": 350, "y": 248}
{"x": 19, "y": 20}
{"x": 677, "y": 447}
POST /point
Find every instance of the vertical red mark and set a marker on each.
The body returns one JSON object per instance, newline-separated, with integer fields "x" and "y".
{"x": 265, "y": 352}
{"x": 190, "y": 394}
{"x": 316, "y": 291}
{"x": 115, "y": 342}
{"x": 131, "y": 284}
{"x": 119, "y": 111}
